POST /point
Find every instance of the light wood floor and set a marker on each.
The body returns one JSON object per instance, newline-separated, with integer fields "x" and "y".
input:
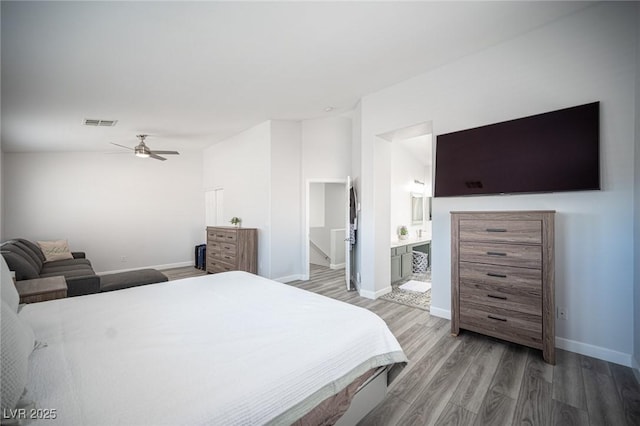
{"x": 476, "y": 380}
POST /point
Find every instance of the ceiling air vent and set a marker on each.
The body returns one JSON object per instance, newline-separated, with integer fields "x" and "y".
{"x": 101, "y": 123}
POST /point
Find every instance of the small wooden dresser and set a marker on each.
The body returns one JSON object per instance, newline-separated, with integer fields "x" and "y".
{"x": 232, "y": 249}
{"x": 502, "y": 276}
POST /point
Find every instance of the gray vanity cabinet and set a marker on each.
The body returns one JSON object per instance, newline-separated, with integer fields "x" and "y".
{"x": 401, "y": 262}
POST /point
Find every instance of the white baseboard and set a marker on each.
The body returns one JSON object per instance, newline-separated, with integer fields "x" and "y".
{"x": 374, "y": 294}
{"x": 337, "y": 265}
{"x": 439, "y": 312}
{"x": 594, "y": 351}
{"x": 158, "y": 267}
{"x": 290, "y": 278}
{"x": 636, "y": 368}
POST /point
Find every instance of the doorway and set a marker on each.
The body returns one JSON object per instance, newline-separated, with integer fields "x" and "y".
{"x": 411, "y": 171}
{"x": 325, "y": 226}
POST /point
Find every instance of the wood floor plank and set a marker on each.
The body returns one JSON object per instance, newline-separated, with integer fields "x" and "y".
{"x": 454, "y": 415}
{"x": 603, "y": 402}
{"x": 536, "y": 367}
{"x": 629, "y": 392}
{"x": 496, "y": 410}
{"x": 534, "y": 403}
{"x": 508, "y": 377}
{"x": 476, "y": 381}
{"x": 594, "y": 364}
{"x": 568, "y": 383}
{"x": 387, "y": 413}
{"x": 566, "y": 415}
{"x": 422, "y": 371}
{"x": 432, "y": 400}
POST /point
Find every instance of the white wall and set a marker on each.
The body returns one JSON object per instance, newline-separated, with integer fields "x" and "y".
{"x": 326, "y": 148}
{"x": 259, "y": 170}
{"x": 241, "y": 166}
{"x": 316, "y": 204}
{"x": 110, "y": 206}
{"x": 582, "y": 58}
{"x": 286, "y": 204}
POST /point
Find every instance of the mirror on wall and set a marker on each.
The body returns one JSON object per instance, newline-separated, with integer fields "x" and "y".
{"x": 417, "y": 209}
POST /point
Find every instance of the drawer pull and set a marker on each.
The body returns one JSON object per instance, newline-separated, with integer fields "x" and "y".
{"x": 496, "y": 318}
{"x": 491, "y": 274}
{"x": 496, "y": 230}
{"x": 496, "y": 297}
{"x": 495, "y": 253}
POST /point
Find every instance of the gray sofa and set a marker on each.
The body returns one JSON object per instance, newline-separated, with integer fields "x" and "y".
{"x": 26, "y": 259}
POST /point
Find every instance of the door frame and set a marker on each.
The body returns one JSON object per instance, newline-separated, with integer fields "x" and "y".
{"x": 305, "y": 222}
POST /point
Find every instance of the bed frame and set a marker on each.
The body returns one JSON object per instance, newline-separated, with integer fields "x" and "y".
{"x": 366, "y": 399}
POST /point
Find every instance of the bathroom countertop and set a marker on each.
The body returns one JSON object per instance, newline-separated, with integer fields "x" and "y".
{"x": 412, "y": 240}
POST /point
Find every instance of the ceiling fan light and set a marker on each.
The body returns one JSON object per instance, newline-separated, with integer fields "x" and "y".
{"x": 141, "y": 151}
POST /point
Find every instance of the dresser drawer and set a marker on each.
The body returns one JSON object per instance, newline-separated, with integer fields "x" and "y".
{"x": 518, "y": 327}
{"x": 501, "y": 296}
{"x": 222, "y": 256}
{"x": 524, "y": 279}
{"x": 213, "y": 245}
{"x": 525, "y": 256}
{"x": 222, "y": 235}
{"x": 228, "y": 247}
{"x": 505, "y": 231}
{"x": 214, "y": 266}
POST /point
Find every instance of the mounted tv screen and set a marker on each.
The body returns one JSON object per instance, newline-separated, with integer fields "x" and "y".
{"x": 551, "y": 152}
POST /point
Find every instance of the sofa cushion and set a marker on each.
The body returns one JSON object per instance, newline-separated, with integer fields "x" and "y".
{"x": 11, "y": 246}
{"x": 17, "y": 263}
{"x": 34, "y": 248}
{"x": 55, "y": 250}
{"x": 29, "y": 251}
{"x": 121, "y": 280}
{"x": 77, "y": 271}
{"x": 66, "y": 263}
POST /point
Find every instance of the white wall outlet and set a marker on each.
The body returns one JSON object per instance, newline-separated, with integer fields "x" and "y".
{"x": 123, "y": 259}
{"x": 562, "y": 313}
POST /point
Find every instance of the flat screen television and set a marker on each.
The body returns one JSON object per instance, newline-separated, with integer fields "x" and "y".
{"x": 551, "y": 152}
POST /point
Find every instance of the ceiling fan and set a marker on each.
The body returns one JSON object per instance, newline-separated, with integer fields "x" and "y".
{"x": 143, "y": 151}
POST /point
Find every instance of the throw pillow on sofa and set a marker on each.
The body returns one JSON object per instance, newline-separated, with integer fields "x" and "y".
{"x": 55, "y": 250}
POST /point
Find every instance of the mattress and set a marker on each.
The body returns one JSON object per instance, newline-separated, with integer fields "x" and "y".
{"x": 231, "y": 348}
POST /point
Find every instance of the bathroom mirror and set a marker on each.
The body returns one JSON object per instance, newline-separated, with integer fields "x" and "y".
{"x": 417, "y": 209}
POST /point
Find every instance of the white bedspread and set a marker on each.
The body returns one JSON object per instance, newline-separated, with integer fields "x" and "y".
{"x": 220, "y": 349}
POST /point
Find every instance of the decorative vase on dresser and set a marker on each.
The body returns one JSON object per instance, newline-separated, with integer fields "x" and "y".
{"x": 502, "y": 276}
{"x": 230, "y": 248}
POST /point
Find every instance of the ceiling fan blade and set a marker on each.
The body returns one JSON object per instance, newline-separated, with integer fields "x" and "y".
{"x": 166, "y": 152}
{"x": 121, "y": 146}
{"x": 157, "y": 157}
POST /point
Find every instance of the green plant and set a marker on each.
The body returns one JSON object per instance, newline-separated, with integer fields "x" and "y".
{"x": 235, "y": 220}
{"x": 404, "y": 230}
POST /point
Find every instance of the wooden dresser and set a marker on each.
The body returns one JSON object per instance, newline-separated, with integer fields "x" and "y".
{"x": 232, "y": 249}
{"x": 502, "y": 276}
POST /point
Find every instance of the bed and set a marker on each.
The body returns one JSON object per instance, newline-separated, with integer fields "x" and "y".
{"x": 230, "y": 348}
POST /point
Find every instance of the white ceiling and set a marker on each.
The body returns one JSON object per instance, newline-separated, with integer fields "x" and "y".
{"x": 191, "y": 74}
